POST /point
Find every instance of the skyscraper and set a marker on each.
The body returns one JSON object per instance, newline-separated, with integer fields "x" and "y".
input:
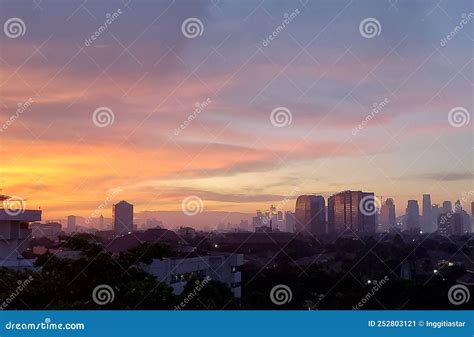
{"x": 387, "y": 214}
{"x": 472, "y": 209}
{"x": 71, "y": 223}
{"x": 354, "y": 210}
{"x": 427, "y": 225}
{"x": 447, "y": 206}
{"x": 310, "y": 212}
{"x": 122, "y": 214}
{"x": 413, "y": 215}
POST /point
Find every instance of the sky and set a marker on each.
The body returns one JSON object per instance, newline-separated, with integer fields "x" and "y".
{"x": 153, "y": 112}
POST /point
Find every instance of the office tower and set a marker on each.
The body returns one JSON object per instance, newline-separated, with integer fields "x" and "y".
{"x": 450, "y": 224}
{"x": 101, "y": 222}
{"x": 310, "y": 212}
{"x": 290, "y": 221}
{"x": 122, "y": 214}
{"x": 387, "y": 214}
{"x": 427, "y": 221}
{"x": 71, "y": 223}
{"x": 280, "y": 216}
{"x": 352, "y": 210}
{"x": 447, "y": 206}
{"x": 413, "y": 216}
{"x": 472, "y": 209}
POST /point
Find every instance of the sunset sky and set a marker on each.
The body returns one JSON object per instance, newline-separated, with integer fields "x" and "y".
{"x": 150, "y": 75}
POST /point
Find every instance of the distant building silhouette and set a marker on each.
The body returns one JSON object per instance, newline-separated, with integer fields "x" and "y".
{"x": 388, "y": 214}
{"x": 447, "y": 206}
{"x": 310, "y": 213}
{"x": 413, "y": 216}
{"x": 347, "y": 210}
{"x": 122, "y": 213}
{"x": 427, "y": 221}
{"x": 71, "y": 223}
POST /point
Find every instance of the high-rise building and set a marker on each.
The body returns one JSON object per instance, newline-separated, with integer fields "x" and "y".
{"x": 450, "y": 224}
{"x": 413, "y": 216}
{"x": 447, "y": 206}
{"x": 71, "y": 223}
{"x": 387, "y": 215}
{"x": 310, "y": 213}
{"x": 122, "y": 214}
{"x": 354, "y": 210}
{"x": 427, "y": 224}
{"x": 101, "y": 222}
{"x": 290, "y": 221}
{"x": 472, "y": 209}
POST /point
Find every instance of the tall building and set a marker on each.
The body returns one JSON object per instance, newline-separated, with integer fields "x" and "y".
{"x": 413, "y": 216}
{"x": 447, "y": 206}
{"x": 122, "y": 214}
{"x": 352, "y": 210}
{"x": 387, "y": 215}
{"x": 427, "y": 222}
{"x": 101, "y": 222}
{"x": 472, "y": 209}
{"x": 71, "y": 223}
{"x": 450, "y": 224}
{"x": 290, "y": 221}
{"x": 310, "y": 213}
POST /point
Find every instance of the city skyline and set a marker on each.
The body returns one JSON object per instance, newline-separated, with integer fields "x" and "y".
{"x": 192, "y": 116}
